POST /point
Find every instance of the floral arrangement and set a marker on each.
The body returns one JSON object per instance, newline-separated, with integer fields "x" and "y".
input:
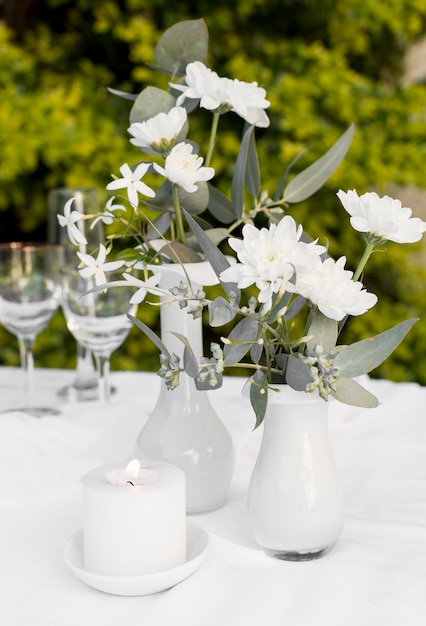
{"x": 286, "y": 274}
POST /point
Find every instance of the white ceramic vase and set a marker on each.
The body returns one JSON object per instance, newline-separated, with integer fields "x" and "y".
{"x": 183, "y": 428}
{"x": 294, "y": 500}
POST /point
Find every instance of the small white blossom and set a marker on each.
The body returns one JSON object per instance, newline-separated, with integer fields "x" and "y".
{"x": 97, "y": 267}
{"x": 270, "y": 257}
{"x": 144, "y": 286}
{"x": 184, "y": 169}
{"x": 132, "y": 182}
{"x": 383, "y": 218}
{"x": 69, "y": 220}
{"x": 108, "y": 216}
{"x": 159, "y": 132}
{"x": 218, "y": 93}
{"x": 332, "y": 289}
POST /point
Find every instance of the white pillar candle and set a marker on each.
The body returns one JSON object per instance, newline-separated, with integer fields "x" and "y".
{"x": 134, "y": 520}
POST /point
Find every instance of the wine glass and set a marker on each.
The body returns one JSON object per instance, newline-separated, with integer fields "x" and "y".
{"x": 98, "y": 320}
{"x": 85, "y": 384}
{"x": 30, "y": 287}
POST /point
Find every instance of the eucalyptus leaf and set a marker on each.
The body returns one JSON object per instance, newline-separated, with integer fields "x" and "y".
{"x": 158, "y": 226}
{"x": 283, "y": 178}
{"x": 190, "y": 363}
{"x": 245, "y": 333}
{"x": 253, "y": 168}
{"x": 197, "y": 201}
{"x": 179, "y": 253}
{"x": 240, "y": 173}
{"x": 323, "y": 331}
{"x": 363, "y": 356}
{"x": 150, "y": 102}
{"x": 122, "y": 94}
{"x": 217, "y": 259}
{"x": 352, "y": 393}
{"x": 259, "y": 395}
{"x": 297, "y": 374}
{"x": 220, "y": 312}
{"x": 313, "y": 177}
{"x": 220, "y": 206}
{"x": 150, "y": 334}
{"x": 256, "y": 352}
{"x": 182, "y": 43}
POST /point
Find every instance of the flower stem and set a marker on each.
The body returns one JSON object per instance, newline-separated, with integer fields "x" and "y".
{"x": 212, "y": 140}
{"x": 369, "y": 248}
{"x": 179, "y": 220}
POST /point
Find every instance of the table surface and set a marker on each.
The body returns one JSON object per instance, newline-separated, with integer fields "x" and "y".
{"x": 375, "y": 575}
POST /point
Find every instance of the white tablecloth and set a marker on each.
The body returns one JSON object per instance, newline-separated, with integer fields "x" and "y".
{"x": 375, "y": 575}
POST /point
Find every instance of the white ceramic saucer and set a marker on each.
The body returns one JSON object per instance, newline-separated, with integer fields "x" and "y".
{"x": 198, "y": 543}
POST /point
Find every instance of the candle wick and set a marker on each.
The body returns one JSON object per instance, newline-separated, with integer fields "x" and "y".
{"x": 129, "y": 482}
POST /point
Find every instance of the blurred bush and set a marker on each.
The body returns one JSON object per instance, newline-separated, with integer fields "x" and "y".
{"x": 324, "y": 64}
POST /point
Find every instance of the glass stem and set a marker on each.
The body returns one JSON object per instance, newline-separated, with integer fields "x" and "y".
{"x": 85, "y": 375}
{"x": 103, "y": 370}
{"x": 27, "y": 363}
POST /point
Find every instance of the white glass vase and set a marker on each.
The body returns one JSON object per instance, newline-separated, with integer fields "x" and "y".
{"x": 183, "y": 428}
{"x": 294, "y": 500}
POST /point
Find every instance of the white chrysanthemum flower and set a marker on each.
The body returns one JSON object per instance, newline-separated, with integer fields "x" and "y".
{"x": 331, "y": 288}
{"x": 69, "y": 220}
{"x": 108, "y": 216}
{"x": 248, "y": 100}
{"x": 143, "y": 287}
{"x": 159, "y": 132}
{"x": 183, "y": 168}
{"x": 97, "y": 267}
{"x": 218, "y": 93}
{"x": 132, "y": 182}
{"x": 270, "y": 257}
{"x": 383, "y": 218}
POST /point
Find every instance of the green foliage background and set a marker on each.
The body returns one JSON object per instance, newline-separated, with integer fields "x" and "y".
{"x": 324, "y": 64}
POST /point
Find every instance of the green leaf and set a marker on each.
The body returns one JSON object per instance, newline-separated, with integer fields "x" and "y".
{"x": 150, "y": 334}
{"x": 259, "y": 395}
{"x": 220, "y": 312}
{"x": 363, "y": 356}
{"x": 181, "y": 44}
{"x": 297, "y": 374}
{"x": 245, "y": 333}
{"x": 152, "y": 101}
{"x": 352, "y": 393}
{"x": 283, "y": 178}
{"x": 220, "y": 206}
{"x": 313, "y": 177}
{"x": 324, "y": 332}
{"x": 253, "y": 169}
{"x": 217, "y": 259}
{"x": 240, "y": 173}
{"x": 190, "y": 363}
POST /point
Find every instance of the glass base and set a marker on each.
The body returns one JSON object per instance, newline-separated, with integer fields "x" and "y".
{"x": 298, "y": 555}
{"x": 34, "y": 411}
{"x": 74, "y": 393}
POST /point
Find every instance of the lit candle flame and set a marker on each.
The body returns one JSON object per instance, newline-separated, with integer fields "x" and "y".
{"x": 132, "y": 470}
